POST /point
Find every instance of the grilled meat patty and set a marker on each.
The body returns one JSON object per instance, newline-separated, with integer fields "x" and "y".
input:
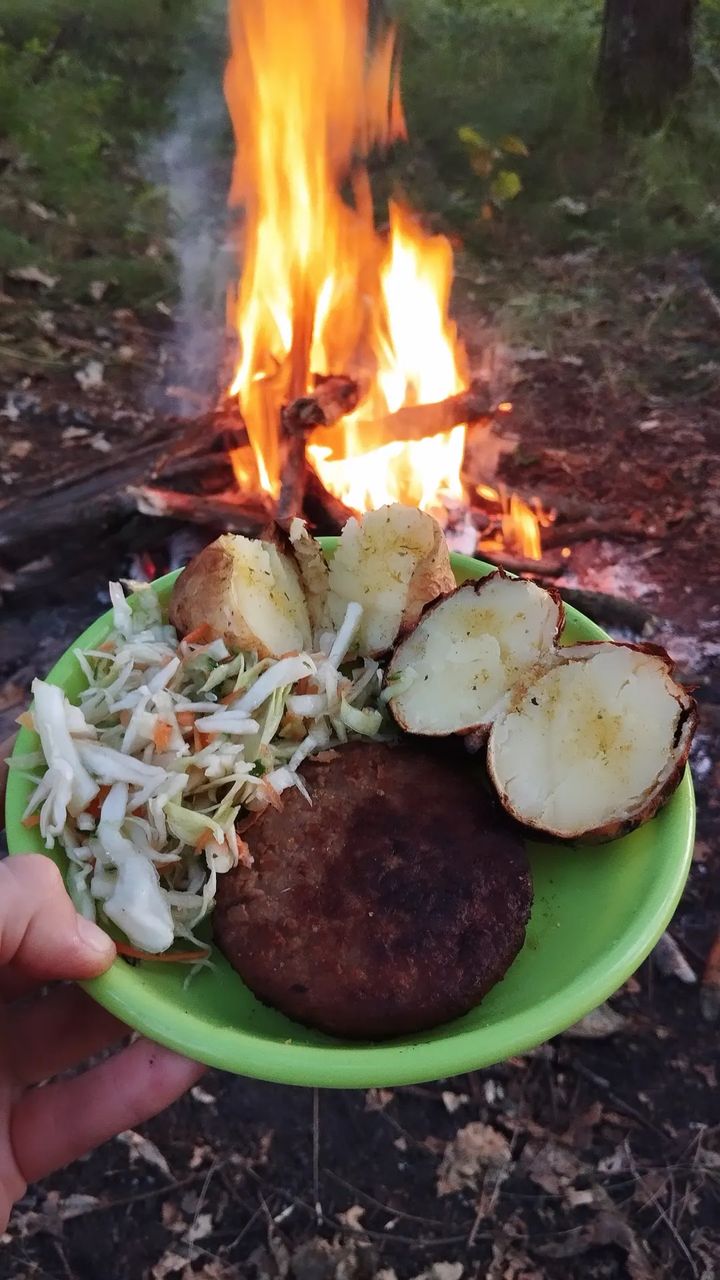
{"x": 393, "y": 903}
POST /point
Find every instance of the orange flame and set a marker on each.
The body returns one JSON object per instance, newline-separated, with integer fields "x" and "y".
{"x": 322, "y": 291}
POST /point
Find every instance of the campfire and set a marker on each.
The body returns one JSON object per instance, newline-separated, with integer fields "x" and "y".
{"x": 351, "y": 387}
{"x": 347, "y": 385}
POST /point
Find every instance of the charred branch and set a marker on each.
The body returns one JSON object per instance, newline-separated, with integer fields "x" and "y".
{"x": 420, "y": 421}
{"x": 227, "y": 511}
{"x": 326, "y": 513}
{"x": 333, "y": 398}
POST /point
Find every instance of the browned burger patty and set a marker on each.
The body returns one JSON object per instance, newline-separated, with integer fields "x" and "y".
{"x": 392, "y": 904}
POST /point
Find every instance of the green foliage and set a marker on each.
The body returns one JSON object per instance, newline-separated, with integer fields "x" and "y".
{"x": 523, "y": 73}
{"x": 82, "y": 82}
{"x": 485, "y": 157}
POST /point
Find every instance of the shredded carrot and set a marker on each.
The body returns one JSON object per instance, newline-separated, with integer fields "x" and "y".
{"x": 134, "y": 953}
{"x": 124, "y": 718}
{"x": 231, "y": 697}
{"x": 162, "y": 735}
{"x": 26, "y": 720}
{"x": 107, "y": 646}
{"x": 96, "y": 804}
{"x": 202, "y": 840}
{"x": 244, "y": 854}
{"x": 291, "y": 653}
{"x": 203, "y": 634}
{"x": 186, "y": 719}
{"x": 32, "y": 820}
{"x": 201, "y": 739}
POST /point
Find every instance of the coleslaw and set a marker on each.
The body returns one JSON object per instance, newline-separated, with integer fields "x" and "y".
{"x": 173, "y": 749}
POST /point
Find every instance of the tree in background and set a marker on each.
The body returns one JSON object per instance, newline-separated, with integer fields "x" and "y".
{"x": 645, "y": 59}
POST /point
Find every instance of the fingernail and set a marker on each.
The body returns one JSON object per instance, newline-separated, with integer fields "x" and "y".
{"x": 92, "y": 937}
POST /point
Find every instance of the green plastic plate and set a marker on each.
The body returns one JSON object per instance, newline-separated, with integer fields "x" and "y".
{"x": 597, "y": 914}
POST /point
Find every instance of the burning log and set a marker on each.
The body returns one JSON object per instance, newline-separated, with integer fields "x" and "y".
{"x": 333, "y": 398}
{"x": 230, "y": 511}
{"x": 417, "y": 422}
{"x": 324, "y": 511}
{"x": 546, "y": 566}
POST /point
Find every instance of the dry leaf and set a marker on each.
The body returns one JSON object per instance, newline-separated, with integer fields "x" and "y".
{"x": 168, "y": 1265}
{"x": 91, "y": 375}
{"x": 508, "y": 1264}
{"x": 200, "y": 1227}
{"x": 351, "y": 1217}
{"x": 143, "y": 1149}
{"x": 550, "y": 1166}
{"x": 454, "y": 1101}
{"x": 74, "y": 433}
{"x": 33, "y": 275}
{"x": 478, "y": 1156}
{"x": 34, "y": 206}
{"x": 19, "y": 449}
{"x": 671, "y": 962}
{"x": 172, "y": 1218}
{"x": 378, "y": 1099}
{"x": 605, "y": 1229}
{"x": 599, "y": 1024}
{"x": 100, "y": 443}
{"x": 97, "y": 289}
{"x": 200, "y": 1095}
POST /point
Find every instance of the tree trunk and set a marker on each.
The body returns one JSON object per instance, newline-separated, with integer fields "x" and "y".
{"x": 645, "y": 59}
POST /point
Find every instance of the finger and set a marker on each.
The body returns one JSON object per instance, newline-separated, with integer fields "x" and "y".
{"x": 60, "y": 1122}
{"x": 41, "y": 934}
{"x": 53, "y": 1032}
{"x": 6, "y": 747}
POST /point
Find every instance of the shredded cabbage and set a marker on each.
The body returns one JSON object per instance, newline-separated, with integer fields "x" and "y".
{"x": 170, "y": 744}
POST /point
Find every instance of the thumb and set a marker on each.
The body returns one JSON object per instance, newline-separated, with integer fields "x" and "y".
{"x": 41, "y": 934}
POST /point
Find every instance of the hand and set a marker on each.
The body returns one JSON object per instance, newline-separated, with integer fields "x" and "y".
{"x": 42, "y": 937}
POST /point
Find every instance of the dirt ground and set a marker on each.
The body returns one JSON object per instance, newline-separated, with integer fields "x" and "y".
{"x": 597, "y": 1155}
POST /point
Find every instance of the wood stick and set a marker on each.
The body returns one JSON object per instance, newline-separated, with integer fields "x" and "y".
{"x": 332, "y": 399}
{"x": 227, "y": 510}
{"x": 420, "y": 421}
{"x": 585, "y": 531}
{"x": 325, "y": 512}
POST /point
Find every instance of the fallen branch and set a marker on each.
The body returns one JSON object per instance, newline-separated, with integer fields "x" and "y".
{"x": 587, "y": 530}
{"x": 546, "y": 566}
{"x": 611, "y": 611}
{"x": 225, "y": 510}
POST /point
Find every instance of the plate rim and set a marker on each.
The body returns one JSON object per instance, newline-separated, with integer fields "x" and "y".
{"x": 341, "y": 1063}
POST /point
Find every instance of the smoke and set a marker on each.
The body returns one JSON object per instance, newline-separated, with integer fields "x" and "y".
{"x": 191, "y": 161}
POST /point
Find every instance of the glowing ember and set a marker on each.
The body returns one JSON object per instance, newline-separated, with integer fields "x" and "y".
{"x": 322, "y": 291}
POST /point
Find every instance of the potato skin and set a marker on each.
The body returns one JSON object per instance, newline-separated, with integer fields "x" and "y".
{"x": 393, "y": 904}
{"x": 433, "y": 578}
{"x": 203, "y": 593}
{"x": 235, "y": 579}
